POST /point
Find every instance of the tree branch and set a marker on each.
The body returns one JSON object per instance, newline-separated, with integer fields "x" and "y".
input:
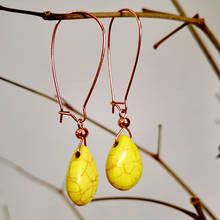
{"x": 159, "y": 139}
{"x": 156, "y": 45}
{"x": 189, "y": 213}
{"x": 199, "y": 40}
{"x": 152, "y": 14}
{"x": 197, "y": 204}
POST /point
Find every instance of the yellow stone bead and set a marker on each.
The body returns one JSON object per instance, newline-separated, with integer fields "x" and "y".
{"x": 82, "y": 177}
{"x": 124, "y": 164}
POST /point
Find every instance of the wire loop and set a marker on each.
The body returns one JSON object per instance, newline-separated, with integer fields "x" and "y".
{"x": 122, "y": 110}
{"x": 62, "y": 112}
{"x": 124, "y": 103}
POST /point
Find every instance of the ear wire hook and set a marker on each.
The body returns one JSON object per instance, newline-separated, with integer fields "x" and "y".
{"x": 114, "y": 103}
{"x": 81, "y": 132}
{"x": 123, "y": 122}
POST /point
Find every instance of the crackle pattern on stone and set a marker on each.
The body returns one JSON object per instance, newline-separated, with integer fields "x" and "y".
{"x": 124, "y": 164}
{"x": 82, "y": 177}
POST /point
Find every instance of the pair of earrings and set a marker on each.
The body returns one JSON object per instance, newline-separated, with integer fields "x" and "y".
{"x": 124, "y": 164}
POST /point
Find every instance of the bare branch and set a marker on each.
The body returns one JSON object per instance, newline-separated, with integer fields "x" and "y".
{"x": 176, "y": 177}
{"x": 156, "y": 45}
{"x": 218, "y": 156}
{"x": 200, "y": 42}
{"x": 28, "y": 175}
{"x": 196, "y": 203}
{"x": 65, "y": 103}
{"x": 152, "y": 14}
{"x": 189, "y": 213}
{"x": 159, "y": 139}
{"x": 202, "y": 26}
{"x": 28, "y": 89}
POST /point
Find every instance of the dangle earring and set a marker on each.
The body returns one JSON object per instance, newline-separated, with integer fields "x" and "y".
{"x": 124, "y": 164}
{"x": 82, "y": 175}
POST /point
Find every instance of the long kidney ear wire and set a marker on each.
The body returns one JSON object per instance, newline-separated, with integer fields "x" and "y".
{"x": 81, "y": 132}
{"x": 123, "y": 121}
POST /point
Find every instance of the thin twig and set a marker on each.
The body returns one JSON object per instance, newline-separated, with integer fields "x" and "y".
{"x": 175, "y": 176}
{"x": 156, "y": 45}
{"x": 154, "y": 11}
{"x": 53, "y": 16}
{"x": 159, "y": 139}
{"x": 203, "y": 26}
{"x": 28, "y": 89}
{"x": 39, "y": 181}
{"x": 196, "y": 203}
{"x": 65, "y": 103}
{"x": 37, "y": 92}
{"x": 200, "y": 42}
{"x": 152, "y": 155}
{"x": 189, "y": 213}
{"x": 218, "y": 156}
{"x": 28, "y": 175}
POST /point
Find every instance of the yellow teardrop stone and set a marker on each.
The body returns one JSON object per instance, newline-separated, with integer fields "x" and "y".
{"x": 124, "y": 164}
{"x": 82, "y": 177}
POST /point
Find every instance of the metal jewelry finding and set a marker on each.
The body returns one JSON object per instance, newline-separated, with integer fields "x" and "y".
{"x": 123, "y": 122}
{"x": 81, "y": 132}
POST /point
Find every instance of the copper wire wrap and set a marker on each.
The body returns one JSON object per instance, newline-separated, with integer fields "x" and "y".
{"x": 79, "y": 121}
{"x": 122, "y": 111}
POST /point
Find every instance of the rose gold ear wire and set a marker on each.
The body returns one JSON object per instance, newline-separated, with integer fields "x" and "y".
{"x": 123, "y": 121}
{"x": 81, "y": 132}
